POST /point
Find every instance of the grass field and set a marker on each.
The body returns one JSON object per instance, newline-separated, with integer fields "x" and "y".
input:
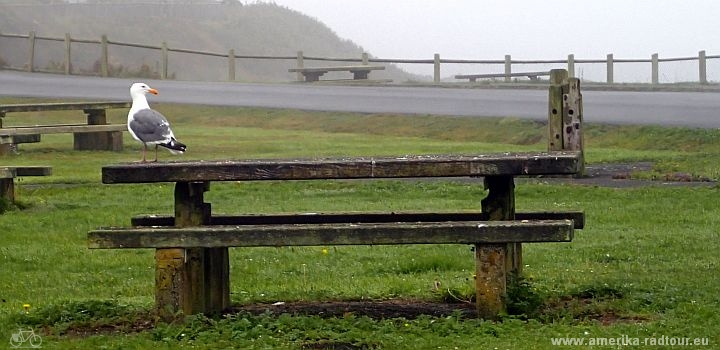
{"x": 645, "y": 266}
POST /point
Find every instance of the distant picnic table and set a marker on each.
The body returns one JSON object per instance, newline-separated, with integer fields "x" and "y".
{"x": 475, "y": 77}
{"x": 94, "y": 134}
{"x": 8, "y": 175}
{"x": 359, "y": 72}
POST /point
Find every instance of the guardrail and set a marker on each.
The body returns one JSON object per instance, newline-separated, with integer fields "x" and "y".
{"x": 507, "y": 63}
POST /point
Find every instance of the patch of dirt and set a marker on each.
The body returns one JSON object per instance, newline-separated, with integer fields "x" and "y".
{"x": 411, "y": 309}
{"x": 582, "y": 310}
{"x": 408, "y": 309}
{"x": 110, "y": 328}
{"x": 619, "y": 175}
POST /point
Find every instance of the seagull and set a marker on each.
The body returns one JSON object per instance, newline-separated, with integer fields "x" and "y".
{"x": 148, "y": 125}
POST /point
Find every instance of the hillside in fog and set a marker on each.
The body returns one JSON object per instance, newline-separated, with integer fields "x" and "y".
{"x": 252, "y": 29}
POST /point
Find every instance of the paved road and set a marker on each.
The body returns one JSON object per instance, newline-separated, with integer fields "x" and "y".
{"x": 694, "y": 109}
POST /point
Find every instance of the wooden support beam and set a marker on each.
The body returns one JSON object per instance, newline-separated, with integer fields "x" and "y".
{"x": 572, "y": 115}
{"x": 7, "y": 191}
{"x": 177, "y": 268}
{"x": 192, "y": 279}
{"x": 565, "y": 116}
{"x": 106, "y": 141}
{"x": 555, "y": 108}
{"x": 494, "y": 261}
{"x": 490, "y": 280}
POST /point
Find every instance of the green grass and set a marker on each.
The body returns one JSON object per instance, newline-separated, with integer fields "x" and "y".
{"x": 644, "y": 266}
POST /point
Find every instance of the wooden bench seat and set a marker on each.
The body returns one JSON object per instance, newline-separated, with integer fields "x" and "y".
{"x": 274, "y": 235}
{"x": 31, "y": 133}
{"x": 8, "y": 175}
{"x": 475, "y": 77}
{"x": 314, "y": 73}
{"x": 578, "y": 218}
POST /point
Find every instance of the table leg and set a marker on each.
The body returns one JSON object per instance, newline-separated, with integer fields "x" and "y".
{"x": 193, "y": 280}
{"x": 7, "y": 191}
{"x": 100, "y": 140}
{"x": 360, "y": 74}
{"x": 494, "y": 261}
{"x": 313, "y": 76}
{"x": 5, "y": 148}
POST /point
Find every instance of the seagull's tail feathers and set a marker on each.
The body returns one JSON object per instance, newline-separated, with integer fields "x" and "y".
{"x": 174, "y": 146}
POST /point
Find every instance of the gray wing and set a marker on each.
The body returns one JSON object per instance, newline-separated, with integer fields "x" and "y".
{"x": 150, "y": 126}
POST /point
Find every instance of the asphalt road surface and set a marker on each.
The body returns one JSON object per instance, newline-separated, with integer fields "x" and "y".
{"x": 692, "y": 109}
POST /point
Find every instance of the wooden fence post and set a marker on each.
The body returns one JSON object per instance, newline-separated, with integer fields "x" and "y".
{"x": 571, "y": 65}
{"x": 508, "y": 67}
{"x": 610, "y": 69}
{"x": 231, "y": 65}
{"x": 68, "y": 57}
{"x": 31, "y": 44}
{"x": 164, "y": 61}
{"x": 655, "y": 69}
{"x": 104, "y": 69}
{"x": 565, "y": 114}
{"x": 557, "y": 76}
{"x": 702, "y": 67}
{"x": 300, "y": 64}
{"x": 436, "y": 68}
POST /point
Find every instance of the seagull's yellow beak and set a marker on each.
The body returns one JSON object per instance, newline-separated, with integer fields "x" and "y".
{"x": 153, "y": 91}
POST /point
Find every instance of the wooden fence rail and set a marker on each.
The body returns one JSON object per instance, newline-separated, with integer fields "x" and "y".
{"x": 436, "y": 61}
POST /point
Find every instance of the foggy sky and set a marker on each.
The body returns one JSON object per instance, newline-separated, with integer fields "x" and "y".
{"x": 528, "y": 29}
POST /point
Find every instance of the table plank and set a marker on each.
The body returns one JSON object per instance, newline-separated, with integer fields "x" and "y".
{"x": 336, "y": 69}
{"x": 62, "y": 106}
{"x": 505, "y": 164}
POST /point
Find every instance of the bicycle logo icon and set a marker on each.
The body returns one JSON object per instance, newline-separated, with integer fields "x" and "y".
{"x": 17, "y": 340}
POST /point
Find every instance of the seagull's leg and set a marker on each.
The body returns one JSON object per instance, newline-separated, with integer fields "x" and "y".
{"x": 156, "y": 152}
{"x": 144, "y": 151}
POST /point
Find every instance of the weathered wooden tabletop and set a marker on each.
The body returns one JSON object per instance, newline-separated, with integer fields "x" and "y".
{"x": 503, "y": 164}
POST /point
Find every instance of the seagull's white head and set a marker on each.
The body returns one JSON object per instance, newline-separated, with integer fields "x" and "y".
{"x": 141, "y": 89}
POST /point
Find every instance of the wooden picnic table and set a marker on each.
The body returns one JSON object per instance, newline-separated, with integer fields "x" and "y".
{"x": 94, "y": 134}
{"x": 192, "y": 265}
{"x": 360, "y": 72}
{"x": 507, "y": 76}
{"x": 8, "y": 175}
